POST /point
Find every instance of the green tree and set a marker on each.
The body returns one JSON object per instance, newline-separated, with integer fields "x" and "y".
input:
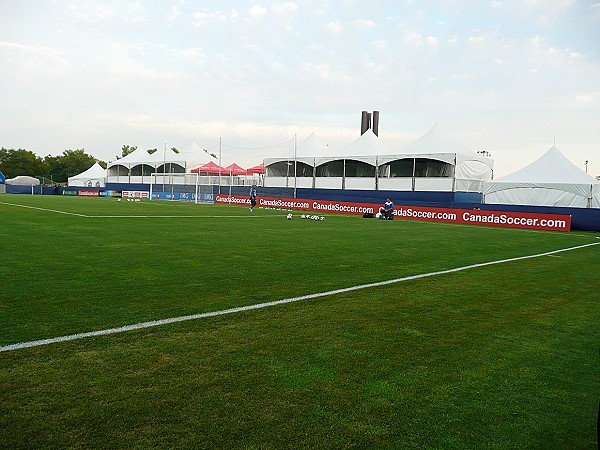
{"x": 127, "y": 149}
{"x": 71, "y": 162}
{"x": 21, "y": 162}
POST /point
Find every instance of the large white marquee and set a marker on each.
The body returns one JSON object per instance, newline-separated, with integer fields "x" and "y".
{"x": 434, "y": 162}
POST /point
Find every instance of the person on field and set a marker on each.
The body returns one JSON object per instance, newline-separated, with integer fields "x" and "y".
{"x": 252, "y": 197}
{"x": 388, "y": 210}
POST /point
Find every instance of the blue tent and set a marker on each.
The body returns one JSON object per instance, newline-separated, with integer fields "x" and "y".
{"x": 2, "y": 178}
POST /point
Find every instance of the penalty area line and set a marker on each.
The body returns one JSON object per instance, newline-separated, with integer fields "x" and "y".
{"x": 155, "y": 323}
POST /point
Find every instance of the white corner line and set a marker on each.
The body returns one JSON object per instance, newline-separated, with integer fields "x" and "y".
{"x": 155, "y": 323}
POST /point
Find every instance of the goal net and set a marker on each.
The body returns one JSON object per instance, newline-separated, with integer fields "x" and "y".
{"x": 189, "y": 187}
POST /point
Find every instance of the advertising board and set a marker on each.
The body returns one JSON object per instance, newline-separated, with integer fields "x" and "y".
{"x": 509, "y": 219}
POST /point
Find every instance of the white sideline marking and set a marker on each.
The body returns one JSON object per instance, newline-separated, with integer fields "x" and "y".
{"x": 246, "y": 216}
{"x": 44, "y": 209}
{"x": 155, "y": 323}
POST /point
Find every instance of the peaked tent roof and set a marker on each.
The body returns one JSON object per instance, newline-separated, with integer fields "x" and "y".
{"x": 133, "y": 157}
{"x": 307, "y": 151}
{"x": 159, "y": 158}
{"x": 259, "y": 169}
{"x": 552, "y": 166}
{"x": 209, "y": 167}
{"x": 365, "y": 148}
{"x": 552, "y": 170}
{"x": 312, "y": 146}
{"x": 234, "y": 169}
{"x": 436, "y": 141}
{"x": 96, "y": 171}
{"x": 436, "y": 144}
{"x": 365, "y": 145}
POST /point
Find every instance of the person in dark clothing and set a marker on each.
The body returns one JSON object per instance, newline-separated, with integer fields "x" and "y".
{"x": 252, "y": 197}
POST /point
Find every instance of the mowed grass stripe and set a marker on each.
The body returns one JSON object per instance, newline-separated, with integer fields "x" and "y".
{"x": 172, "y": 320}
{"x": 66, "y": 275}
{"x": 137, "y": 216}
{"x": 502, "y": 357}
{"x": 498, "y": 361}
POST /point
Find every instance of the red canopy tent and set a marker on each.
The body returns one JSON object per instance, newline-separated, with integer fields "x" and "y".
{"x": 259, "y": 169}
{"x": 210, "y": 168}
{"x": 234, "y": 169}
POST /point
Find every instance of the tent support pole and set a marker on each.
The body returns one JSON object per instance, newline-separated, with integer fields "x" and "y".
{"x": 454, "y": 175}
{"x": 413, "y": 173}
{"x": 295, "y": 167}
{"x": 376, "y": 173}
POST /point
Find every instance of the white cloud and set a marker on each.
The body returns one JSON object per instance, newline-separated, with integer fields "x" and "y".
{"x": 588, "y": 98}
{"x": 256, "y": 12}
{"x": 363, "y": 23}
{"x": 413, "y": 38}
{"x": 33, "y": 57}
{"x": 111, "y": 73}
{"x": 433, "y": 41}
{"x": 204, "y": 18}
{"x": 380, "y": 45}
{"x": 334, "y": 27}
{"x": 595, "y": 11}
{"x": 173, "y": 14}
{"x": 284, "y": 9}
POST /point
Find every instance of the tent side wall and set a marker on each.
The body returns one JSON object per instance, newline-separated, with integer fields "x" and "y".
{"x": 537, "y": 196}
{"x": 393, "y": 172}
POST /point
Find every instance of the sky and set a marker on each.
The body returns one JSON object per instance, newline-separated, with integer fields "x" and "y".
{"x": 511, "y": 77}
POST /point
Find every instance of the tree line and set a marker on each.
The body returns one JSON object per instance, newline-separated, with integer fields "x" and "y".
{"x": 52, "y": 169}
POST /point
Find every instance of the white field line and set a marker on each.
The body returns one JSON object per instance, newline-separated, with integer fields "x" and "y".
{"x": 249, "y": 216}
{"x": 44, "y": 209}
{"x": 246, "y": 216}
{"x": 155, "y": 323}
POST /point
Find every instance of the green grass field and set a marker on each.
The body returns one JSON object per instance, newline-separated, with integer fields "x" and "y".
{"x": 502, "y": 356}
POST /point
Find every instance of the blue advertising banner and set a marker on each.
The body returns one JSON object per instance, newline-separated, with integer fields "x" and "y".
{"x": 110, "y": 193}
{"x": 183, "y": 196}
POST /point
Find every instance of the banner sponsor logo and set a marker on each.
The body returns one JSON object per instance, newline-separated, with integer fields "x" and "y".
{"x": 88, "y": 193}
{"x": 136, "y": 194}
{"x": 110, "y": 193}
{"x": 510, "y": 219}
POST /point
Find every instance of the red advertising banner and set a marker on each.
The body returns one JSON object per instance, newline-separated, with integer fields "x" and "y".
{"x": 135, "y": 194}
{"x": 88, "y": 193}
{"x": 510, "y": 219}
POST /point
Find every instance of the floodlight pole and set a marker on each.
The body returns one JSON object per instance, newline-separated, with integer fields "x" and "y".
{"x": 220, "y": 166}
{"x": 295, "y": 166}
{"x": 164, "y": 164}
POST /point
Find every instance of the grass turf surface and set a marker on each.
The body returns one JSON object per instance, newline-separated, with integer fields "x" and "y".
{"x": 500, "y": 356}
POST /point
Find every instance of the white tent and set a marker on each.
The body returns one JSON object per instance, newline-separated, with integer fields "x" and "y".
{"x": 95, "y": 176}
{"x": 432, "y": 163}
{"x": 140, "y": 164}
{"x": 23, "y": 180}
{"x": 469, "y": 167}
{"x": 551, "y": 180}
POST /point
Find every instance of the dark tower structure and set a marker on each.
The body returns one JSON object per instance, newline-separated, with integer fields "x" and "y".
{"x": 375, "y": 126}
{"x": 366, "y": 122}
